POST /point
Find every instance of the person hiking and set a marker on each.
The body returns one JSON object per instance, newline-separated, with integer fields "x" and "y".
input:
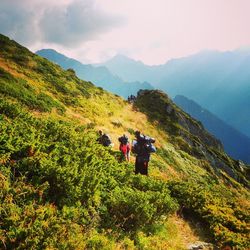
{"x": 131, "y": 99}
{"x": 124, "y": 147}
{"x": 142, "y": 147}
{"x": 104, "y": 139}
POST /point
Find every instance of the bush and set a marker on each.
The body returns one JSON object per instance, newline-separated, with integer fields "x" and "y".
{"x": 217, "y": 206}
{"x": 59, "y": 183}
{"x": 27, "y": 222}
{"x": 22, "y": 91}
{"x": 133, "y": 209}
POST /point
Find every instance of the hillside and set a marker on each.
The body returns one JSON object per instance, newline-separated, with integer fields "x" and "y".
{"x": 60, "y": 189}
{"x": 99, "y": 75}
{"x": 236, "y": 144}
{"x": 218, "y": 81}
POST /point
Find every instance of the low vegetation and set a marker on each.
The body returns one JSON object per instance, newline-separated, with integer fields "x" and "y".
{"x": 58, "y": 184}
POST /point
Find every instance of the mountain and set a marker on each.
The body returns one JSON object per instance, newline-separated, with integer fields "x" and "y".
{"x": 235, "y": 143}
{"x": 129, "y": 69}
{"x": 219, "y": 81}
{"x": 60, "y": 189}
{"x": 100, "y": 75}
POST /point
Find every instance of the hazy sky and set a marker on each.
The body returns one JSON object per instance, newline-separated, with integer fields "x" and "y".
{"x": 152, "y": 31}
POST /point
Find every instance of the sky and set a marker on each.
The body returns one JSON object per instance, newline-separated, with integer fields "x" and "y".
{"x": 152, "y": 31}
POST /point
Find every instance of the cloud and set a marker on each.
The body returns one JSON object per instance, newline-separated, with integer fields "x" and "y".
{"x": 77, "y": 22}
{"x": 67, "y": 22}
{"x": 152, "y": 31}
{"x": 17, "y": 21}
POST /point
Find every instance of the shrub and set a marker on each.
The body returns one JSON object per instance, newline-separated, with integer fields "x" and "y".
{"x": 217, "y": 206}
{"x": 134, "y": 209}
{"x": 59, "y": 183}
{"x": 22, "y": 91}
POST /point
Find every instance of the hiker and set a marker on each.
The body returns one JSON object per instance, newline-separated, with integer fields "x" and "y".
{"x": 104, "y": 139}
{"x": 142, "y": 147}
{"x": 131, "y": 99}
{"x": 124, "y": 147}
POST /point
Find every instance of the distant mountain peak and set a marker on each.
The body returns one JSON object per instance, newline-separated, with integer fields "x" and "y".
{"x": 120, "y": 58}
{"x": 98, "y": 74}
{"x": 243, "y": 50}
{"x": 48, "y": 50}
{"x": 52, "y": 53}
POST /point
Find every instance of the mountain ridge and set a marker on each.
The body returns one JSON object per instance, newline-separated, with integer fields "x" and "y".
{"x": 99, "y": 75}
{"x": 219, "y": 81}
{"x": 236, "y": 144}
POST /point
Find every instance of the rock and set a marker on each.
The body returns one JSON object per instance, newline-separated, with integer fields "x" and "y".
{"x": 241, "y": 166}
{"x": 169, "y": 109}
{"x": 197, "y": 141}
{"x": 200, "y": 245}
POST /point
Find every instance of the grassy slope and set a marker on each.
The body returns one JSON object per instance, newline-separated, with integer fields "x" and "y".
{"x": 61, "y": 96}
{"x": 100, "y": 110}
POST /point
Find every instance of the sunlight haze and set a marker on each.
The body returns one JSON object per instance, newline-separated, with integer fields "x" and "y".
{"x": 150, "y": 31}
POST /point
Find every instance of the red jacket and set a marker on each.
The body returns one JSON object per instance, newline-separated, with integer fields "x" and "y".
{"x": 124, "y": 148}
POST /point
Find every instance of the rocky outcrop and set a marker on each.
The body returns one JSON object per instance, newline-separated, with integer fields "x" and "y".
{"x": 156, "y": 101}
{"x": 195, "y": 128}
{"x": 197, "y": 141}
{"x": 235, "y": 143}
{"x": 200, "y": 245}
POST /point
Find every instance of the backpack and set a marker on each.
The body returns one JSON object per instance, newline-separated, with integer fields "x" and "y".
{"x": 143, "y": 146}
{"x": 136, "y": 147}
{"x": 106, "y": 141}
{"x": 150, "y": 148}
{"x": 123, "y": 139}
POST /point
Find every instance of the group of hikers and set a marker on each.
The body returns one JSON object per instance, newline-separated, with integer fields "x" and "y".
{"x": 142, "y": 147}
{"x": 131, "y": 99}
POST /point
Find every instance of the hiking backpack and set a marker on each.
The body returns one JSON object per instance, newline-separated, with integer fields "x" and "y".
{"x": 123, "y": 139}
{"x": 106, "y": 141}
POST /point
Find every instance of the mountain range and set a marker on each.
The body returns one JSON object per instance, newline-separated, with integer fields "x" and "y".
{"x": 99, "y": 75}
{"x": 218, "y": 81}
{"x": 235, "y": 143}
